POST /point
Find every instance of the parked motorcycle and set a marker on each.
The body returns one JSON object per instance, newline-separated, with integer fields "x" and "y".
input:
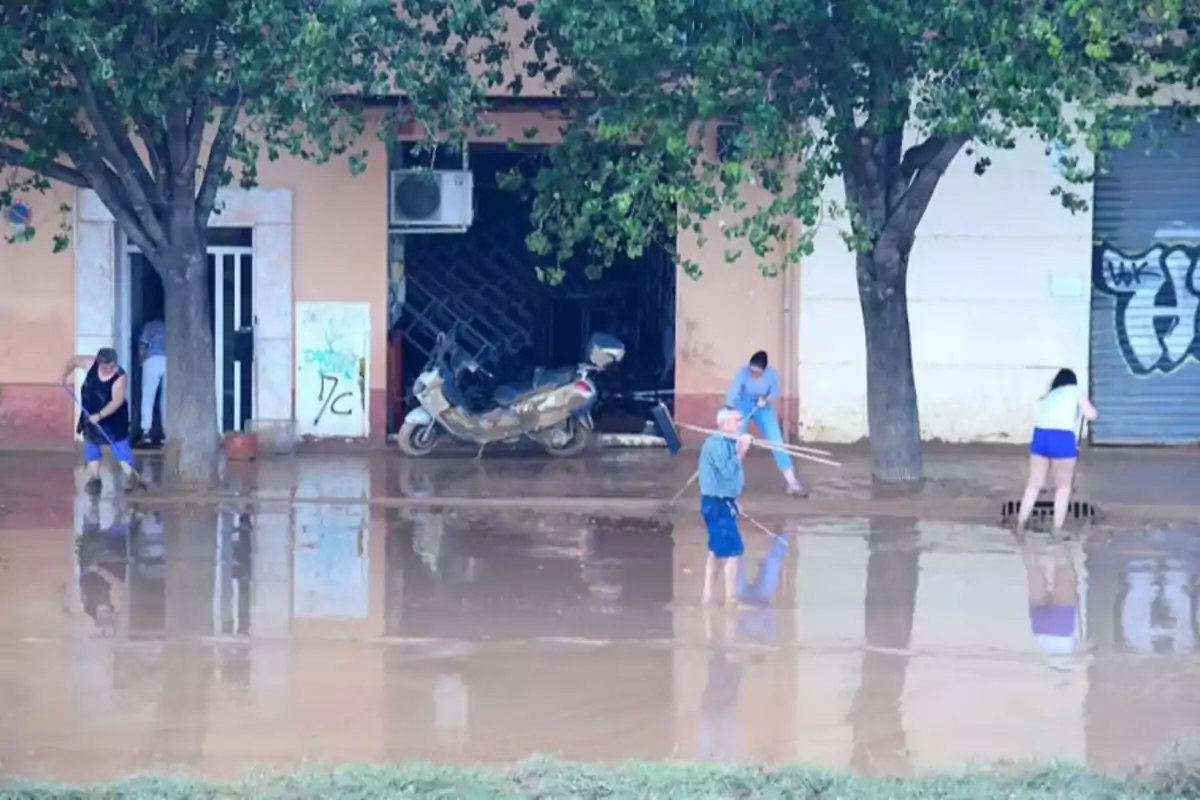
{"x": 554, "y": 408}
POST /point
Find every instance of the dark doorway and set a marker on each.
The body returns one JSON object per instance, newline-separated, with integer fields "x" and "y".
{"x": 485, "y": 281}
{"x": 230, "y": 257}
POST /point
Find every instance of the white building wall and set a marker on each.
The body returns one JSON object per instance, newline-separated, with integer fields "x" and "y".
{"x": 999, "y": 286}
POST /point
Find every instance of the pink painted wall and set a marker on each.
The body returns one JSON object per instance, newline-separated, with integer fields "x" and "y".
{"x": 340, "y": 244}
{"x": 726, "y": 315}
{"x": 37, "y": 325}
{"x": 340, "y": 254}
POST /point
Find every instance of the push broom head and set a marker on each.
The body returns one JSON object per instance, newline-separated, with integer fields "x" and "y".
{"x": 667, "y": 428}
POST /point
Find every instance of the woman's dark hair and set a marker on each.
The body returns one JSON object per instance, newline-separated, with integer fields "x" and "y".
{"x": 759, "y": 359}
{"x": 1065, "y": 377}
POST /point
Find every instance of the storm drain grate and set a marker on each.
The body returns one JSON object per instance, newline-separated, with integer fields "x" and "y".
{"x": 1044, "y": 509}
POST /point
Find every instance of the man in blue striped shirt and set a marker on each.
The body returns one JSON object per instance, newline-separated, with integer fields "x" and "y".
{"x": 721, "y": 481}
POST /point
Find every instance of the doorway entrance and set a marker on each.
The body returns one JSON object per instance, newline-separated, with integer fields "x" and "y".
{"x": 231, "y": 313}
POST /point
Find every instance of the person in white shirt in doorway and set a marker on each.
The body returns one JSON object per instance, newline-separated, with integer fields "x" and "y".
{"x": 152, "y": 351}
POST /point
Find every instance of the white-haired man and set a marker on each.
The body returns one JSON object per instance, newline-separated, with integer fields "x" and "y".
{"x": 721, "y": 482}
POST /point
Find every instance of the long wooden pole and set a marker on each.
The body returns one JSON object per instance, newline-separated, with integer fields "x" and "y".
{"x": 807, "y": 453}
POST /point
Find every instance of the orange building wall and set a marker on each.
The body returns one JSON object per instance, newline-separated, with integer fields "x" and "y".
{"x": 37, "y": 325}
{"x": 340, "y": 254}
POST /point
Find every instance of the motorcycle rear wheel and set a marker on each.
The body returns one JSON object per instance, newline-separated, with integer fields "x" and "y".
{"x": 581, "y": 437}
{"x": 418, "y": 440}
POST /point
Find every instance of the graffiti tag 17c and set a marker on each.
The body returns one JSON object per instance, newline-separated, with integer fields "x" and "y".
{"x": 337, "y": 371}
{"x": 329, "y": 398}
{"x": 1157, "y": 304}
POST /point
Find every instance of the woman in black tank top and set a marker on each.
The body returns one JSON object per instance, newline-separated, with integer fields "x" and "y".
{"x": 104, "y": 420}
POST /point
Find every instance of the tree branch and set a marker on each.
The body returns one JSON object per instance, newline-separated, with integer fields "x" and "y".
{"x": 908, "y": 211}
{"x": 198, "y": 115}
{"x": 16, "y": 157}
{"x": 177, "y": 122}
{"x": 118, "y": 151}
{"x": 218, "y": 154}
{"x": 113, "y": 193}
{"x": 919, "y": 156}
{"x": 159, "y": 157}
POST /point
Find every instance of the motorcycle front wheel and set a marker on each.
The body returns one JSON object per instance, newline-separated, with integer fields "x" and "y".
{"x": 418, "y": 439}
{"x": 580, "y": 438}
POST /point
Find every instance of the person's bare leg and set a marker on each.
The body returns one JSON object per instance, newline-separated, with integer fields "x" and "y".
{"x": 1062, "y": 472}
{"x": 1038, "y": 467}
{"x": 732, "y": 568}
{"x": 711, "y": 567}
{"x": 1065, "y": 588}
{"x": 1035, "y": 577}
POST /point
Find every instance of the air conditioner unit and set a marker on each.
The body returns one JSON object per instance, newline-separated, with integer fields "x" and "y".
{"x": 430, "y": 201}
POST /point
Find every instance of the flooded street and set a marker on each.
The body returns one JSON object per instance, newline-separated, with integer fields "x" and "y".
{"x": 211, "y": 639}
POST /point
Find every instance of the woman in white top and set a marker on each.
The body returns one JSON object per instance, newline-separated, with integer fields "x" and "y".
{"x": 1054, "y": 448}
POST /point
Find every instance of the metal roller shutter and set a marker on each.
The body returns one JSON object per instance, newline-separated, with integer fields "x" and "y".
{"x": 1145, "y": 379}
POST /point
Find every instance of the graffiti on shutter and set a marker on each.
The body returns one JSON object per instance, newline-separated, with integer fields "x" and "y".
{"x": 1157, "y": 294}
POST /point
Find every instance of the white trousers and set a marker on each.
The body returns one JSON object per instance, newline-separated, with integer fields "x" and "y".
{"x": 154, "y": 375}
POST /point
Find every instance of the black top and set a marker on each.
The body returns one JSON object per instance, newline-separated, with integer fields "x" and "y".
{"x": 96, "y": 394}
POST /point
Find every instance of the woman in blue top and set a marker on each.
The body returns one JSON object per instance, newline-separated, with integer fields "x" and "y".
{"x": 755, "y": 388}
{"x": 1054, "y": 448}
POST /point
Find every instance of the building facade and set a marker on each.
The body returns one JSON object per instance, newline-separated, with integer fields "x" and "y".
{"x": 1005, "y": 287}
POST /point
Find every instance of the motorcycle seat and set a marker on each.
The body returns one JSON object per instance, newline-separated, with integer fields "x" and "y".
{"x": 508, "y": 394}
{"x": 553, "y": 377}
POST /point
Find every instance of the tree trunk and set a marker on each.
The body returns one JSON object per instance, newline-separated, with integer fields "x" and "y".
{"x": 893, "y": 424}
{"x": 193, "y": 441}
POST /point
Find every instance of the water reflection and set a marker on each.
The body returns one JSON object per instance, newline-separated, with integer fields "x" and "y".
{"x": 889, "y": 605}
{"x": 1054, "y": 608}
{"x": 138, "y": 580}
{"x": 727, "y": 632}
{"x": 141, "y": 574}
{"x": 756, "y": 619}
{"x": 274, "y": 633}
{"x": 103, "y": 561}
{"x": 1141, "y": 611}
{"x": 472, "y": 577}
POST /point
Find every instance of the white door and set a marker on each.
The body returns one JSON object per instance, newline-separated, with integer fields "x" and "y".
{"x": 332, "y": 353}
{"x": 233, "y": 325}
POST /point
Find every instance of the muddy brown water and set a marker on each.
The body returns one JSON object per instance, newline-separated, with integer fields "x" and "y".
{"x": 213, "y": 640}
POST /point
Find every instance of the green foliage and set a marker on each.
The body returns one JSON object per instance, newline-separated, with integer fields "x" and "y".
{"x": 540, "y": 778}
{"x": 882, "y": 94}
{"x": 155, "y": 104}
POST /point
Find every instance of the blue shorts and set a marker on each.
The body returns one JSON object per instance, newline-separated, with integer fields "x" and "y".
{"x": 122, "y": 451}
{"x": 1054, "y": 444}
{"x": 724, "y": 538}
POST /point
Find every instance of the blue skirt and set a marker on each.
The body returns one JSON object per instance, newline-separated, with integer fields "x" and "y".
{"x": 724, "y": 538}
{"x": 1054, "y": 444}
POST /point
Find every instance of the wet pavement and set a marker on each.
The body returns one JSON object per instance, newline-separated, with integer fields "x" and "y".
{"x": 215, "y": 638}
{"x": 963, "y": 482}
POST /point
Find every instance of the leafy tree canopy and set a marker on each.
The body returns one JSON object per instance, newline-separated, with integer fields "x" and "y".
{"x": 878, "y": 93}
{"x": 155, "y": 104}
